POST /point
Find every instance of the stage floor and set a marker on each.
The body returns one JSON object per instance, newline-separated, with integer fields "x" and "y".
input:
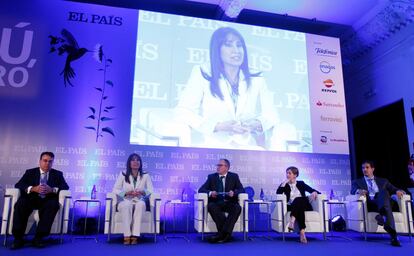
{"x": 376, "y": 245}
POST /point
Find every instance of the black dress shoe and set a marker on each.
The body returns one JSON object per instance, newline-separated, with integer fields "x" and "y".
{"x": 17, "y": 244}
{"x": 214, "y": 239}
{"x": 390, "y": 231}
{"x": 38, "y": 243}
{"x": 380, "y": 220}
{"x": 226, "y": 238}
{"x": 395, "y": 242}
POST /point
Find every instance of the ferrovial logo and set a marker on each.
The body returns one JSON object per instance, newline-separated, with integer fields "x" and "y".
{"x": 331, "y": 119}
{"x": 324, "y": 139}
{"x": 326, "y": 52}
{"x": 326, "y": 67}
{"x": 328, "y": 83}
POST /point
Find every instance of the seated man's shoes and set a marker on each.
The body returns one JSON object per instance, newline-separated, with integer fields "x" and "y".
{"x": 395, "y": 242}
{"x": 17, "y": 244}
{"x": 215, "y": 238}
{"x": 225, "y": 238}
{"x": 38, "y": 243}
{"x": 390, "y": 231}
{"x": 380, "y": 220}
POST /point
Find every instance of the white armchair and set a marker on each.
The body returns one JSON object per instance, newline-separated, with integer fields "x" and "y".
{"x": 204, "y": 223}
{"x": 60, "y": 224}
{"x": 150, "y": 220}
{"x": 360, "y": 220}
{"x": 313, "y": 219}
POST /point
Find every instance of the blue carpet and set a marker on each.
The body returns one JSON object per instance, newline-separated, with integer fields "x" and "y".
{"x": 376, "y": 245}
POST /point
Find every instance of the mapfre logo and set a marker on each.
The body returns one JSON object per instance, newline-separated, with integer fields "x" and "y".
{"x": 325, "y": 67}
{"x": 328, "y": 84}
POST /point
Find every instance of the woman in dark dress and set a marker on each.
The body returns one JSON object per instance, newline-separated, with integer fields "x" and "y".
{"x": 297, "y": 202}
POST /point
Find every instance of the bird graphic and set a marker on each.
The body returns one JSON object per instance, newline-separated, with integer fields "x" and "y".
{"x": 67, "y": 45}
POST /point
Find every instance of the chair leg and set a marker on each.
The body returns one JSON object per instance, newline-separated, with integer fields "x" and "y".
{"x": 5, "y": 239}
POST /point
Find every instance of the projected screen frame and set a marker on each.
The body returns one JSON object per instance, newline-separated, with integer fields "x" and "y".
{"x": 303, "y": 80}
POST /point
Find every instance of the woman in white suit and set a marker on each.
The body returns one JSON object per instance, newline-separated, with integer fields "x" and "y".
{"x": 230, "y": 106}
{"x": 134, "y": 187}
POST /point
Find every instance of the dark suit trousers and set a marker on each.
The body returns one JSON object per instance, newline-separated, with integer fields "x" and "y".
{"x": 384, "y": 205}
{"x": 217, "y": 211}
{"x": 297, "y": 209}
{"x": 48, "y": 207}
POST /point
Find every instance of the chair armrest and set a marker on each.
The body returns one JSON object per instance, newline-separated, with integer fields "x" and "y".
{"x": 14, "y": 192}
{"x": 354, "y": 198}
{"x": 243, "y": 197}
{"x": 317, "y": 203}
{"x": 10, "y": 197}
{"x": 200, "y": 204}
{"x": 405, "y": 198}
{"x": 402, "y": 205}
{"x": 110, "y": 204}
{"x": 279, "y": 201}
{"x": 64, "y": 201}
{"x": 280, "y": 197}
{"x": 63, "y": 194}
{"x": 201, "y": 196}
{"x": 153, "y": 198}
{"x": 155, "y": 206}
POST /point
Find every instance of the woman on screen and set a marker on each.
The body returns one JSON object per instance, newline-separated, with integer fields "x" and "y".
{"x": 297, "y": 202}
{"x": 134, "y": 188}
{"x": 226, "y": 103}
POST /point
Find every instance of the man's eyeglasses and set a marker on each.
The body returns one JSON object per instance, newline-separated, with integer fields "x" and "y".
{"x": 219, "y": 165}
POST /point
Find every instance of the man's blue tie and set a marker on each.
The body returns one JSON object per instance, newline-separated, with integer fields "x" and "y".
{"x": 371, "y": 190}
{"x": 43, "y": 181}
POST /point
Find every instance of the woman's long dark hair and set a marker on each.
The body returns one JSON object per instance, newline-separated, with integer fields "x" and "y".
{"x": 128, "y": 166}
{"x": 217, "y": 68}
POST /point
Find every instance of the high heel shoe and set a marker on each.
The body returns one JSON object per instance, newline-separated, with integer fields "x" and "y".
{"x": 303, "y": 239}
{"x": 127, "y": 240}
{"x": 134, "y": 240}
{"x": 291, "y": 226}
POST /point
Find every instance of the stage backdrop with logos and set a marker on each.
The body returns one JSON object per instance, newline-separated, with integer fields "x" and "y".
{"x": 67, "y": 82}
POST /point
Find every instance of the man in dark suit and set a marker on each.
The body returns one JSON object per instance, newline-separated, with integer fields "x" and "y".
{"x": 39, "y": 188}
{"x": 378, "y": 191}
{"x": 223, "y": 188}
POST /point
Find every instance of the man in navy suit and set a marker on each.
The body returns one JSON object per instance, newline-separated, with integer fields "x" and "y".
{"x": 223, "y": 188}
{"x": 378, "y": 191}
{"x": 39, "y": 188}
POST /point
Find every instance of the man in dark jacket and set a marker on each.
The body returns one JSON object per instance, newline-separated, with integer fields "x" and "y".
{"x": 377, "y": 191}
{"x": 39, "y": 188}
{"x": 223, "y": 188}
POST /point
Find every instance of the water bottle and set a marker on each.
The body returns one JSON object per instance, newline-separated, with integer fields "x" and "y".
{"x": 93, "y": 192}
{"x": 331, "y": 195}
{"x": 262, "y": 195}
{"x": 184, "y": 196}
